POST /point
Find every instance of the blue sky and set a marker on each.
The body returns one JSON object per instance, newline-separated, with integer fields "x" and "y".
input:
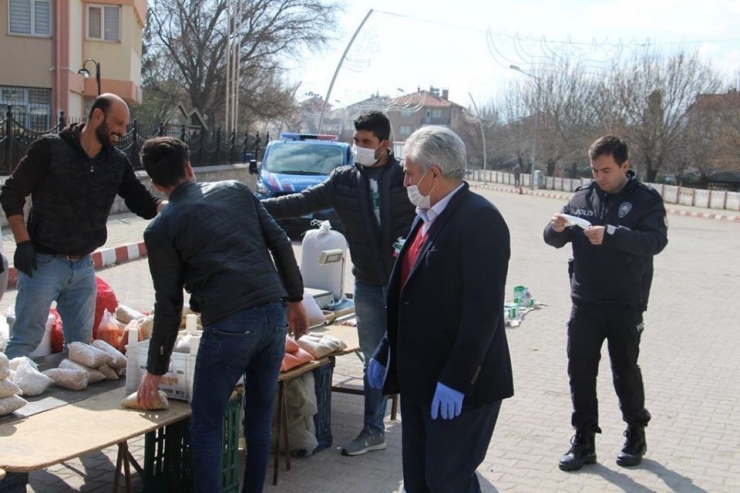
{"x": 466, "y": 46}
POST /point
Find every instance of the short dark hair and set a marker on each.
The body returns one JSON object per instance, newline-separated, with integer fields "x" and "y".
{"x": 609, "y": 145}
{"x": 376, "y": 122}
{"x": 103, "y": 102}
{"x": 165, "y": 160}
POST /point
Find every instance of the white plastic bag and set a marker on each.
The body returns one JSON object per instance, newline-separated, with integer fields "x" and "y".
{"x": 31, "y": 381}
{"x": 11, "y": 404}
{"x": 4, "y": 332}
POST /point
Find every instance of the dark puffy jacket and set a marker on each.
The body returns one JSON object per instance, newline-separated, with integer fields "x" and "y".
{"x": 215, "y": 240}
{"x": 347, "y": 190}
{"x": 72, "y": 194}
{"x": 620, "y": 270}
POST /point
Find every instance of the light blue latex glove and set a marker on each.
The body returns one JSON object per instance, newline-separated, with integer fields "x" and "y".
{"x": 447, "y": 402}
{"x": 375, "y": 374}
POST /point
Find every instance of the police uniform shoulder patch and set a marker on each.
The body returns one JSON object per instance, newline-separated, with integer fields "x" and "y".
{"x": 624, "y": 209}
{"x": 650, "y": 189}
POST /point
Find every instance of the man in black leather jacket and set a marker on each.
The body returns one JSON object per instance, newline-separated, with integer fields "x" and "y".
{"x": 73, "y": 179}
{"x": 216, "y": 240}
{"x": 611, "y": 274}
{"x": 371, "y": 201}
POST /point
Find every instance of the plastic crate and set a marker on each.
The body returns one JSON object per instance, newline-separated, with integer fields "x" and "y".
{"x": 168, "y": 464}
{"x": 14, "y": 482}
{"x": 322, "y": 419}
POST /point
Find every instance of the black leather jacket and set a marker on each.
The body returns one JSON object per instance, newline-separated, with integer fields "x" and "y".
{"x": 347, "y": 190}
{"x": 620, "y": 270}
{"x": 72, "y": 193}
{"x": 215, "y": 240}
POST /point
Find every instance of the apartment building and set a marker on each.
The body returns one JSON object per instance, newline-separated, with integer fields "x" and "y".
{"x": 46, "y": 44}
{"x": 413, "y": 111}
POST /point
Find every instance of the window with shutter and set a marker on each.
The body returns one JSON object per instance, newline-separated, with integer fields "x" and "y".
{"x": 42, "y": 18}
{"x": 94, "y": 22}
{"x": 104, "y": 22}
{"x": 30, "y": 17}
{"x": 112, "y": 23}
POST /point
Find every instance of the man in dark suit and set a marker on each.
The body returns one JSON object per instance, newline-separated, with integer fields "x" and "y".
{"x": 445, "y": 349}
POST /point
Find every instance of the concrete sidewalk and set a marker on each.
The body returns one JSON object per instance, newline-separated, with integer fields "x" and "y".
{"x": 690, "y": 358}
{"x": 126, "y": 231}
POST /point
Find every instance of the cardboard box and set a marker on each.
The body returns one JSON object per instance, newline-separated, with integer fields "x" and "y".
{"x": 177, "y": 383}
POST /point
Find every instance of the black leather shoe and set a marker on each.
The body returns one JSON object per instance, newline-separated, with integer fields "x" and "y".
{"x": 582, "y": 451}
{"x": 634, "y": 448}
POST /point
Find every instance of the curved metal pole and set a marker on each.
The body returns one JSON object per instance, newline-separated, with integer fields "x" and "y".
{"x": 97, "y": 75}
{"x": 86, "y": 73}
{"x": 339, "y": 66}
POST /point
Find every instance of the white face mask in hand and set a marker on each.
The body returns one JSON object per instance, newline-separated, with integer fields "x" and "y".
{"x": 364, "y": 156}
{"x": 415, "y": 196}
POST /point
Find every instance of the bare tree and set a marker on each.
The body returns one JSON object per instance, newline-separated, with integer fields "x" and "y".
{"x": 190, "y": 41}
{"x": 565, "y": 99}
{"x": 550, "y": 114}
{"x": 648, "y": 99}
{"x": 514, "y": 138}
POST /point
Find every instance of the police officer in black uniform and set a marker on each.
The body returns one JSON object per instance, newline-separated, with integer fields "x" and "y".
{"x": 610, "y": 275}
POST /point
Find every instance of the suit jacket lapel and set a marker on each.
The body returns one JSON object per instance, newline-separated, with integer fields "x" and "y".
{"x": 437, "y": 227}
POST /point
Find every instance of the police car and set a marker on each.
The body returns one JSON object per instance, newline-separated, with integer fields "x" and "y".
{"x": 295, "y": 162}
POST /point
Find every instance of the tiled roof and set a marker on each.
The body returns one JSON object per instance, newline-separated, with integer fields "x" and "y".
{"x": 715, "y": 101}
{"x": 422, "y": 98}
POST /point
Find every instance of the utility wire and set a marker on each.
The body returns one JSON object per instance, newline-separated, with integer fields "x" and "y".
{"x": 543, "y": 39}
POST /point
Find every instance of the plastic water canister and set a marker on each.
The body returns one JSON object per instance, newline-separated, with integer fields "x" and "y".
{"x": 329, "y": 275}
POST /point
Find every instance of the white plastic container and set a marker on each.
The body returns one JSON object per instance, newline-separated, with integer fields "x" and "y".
{"x": 319, "y": 269}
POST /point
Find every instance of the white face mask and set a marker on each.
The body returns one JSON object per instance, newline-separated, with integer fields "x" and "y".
{"x": 415, "y": 196}
{"x": 364, "y": 156}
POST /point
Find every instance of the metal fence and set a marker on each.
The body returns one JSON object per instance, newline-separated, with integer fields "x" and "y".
{"x": 206, "y": 148}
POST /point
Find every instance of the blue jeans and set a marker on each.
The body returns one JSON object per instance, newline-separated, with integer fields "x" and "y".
{"x": 250, "y": 343}
{"x": 371, "y": 326}
{"x": 72, "y": 284}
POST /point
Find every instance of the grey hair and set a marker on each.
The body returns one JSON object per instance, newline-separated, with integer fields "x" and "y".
{"x": 440, "y": 146}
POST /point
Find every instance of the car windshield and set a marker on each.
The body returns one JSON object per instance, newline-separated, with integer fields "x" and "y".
{"x": 304, "y": 159}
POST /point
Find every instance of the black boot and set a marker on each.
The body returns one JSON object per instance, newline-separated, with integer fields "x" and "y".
{"x": 634, "y": 448}
{"x": 582, "y": 451}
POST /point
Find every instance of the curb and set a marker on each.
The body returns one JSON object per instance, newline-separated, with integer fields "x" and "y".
{"x": 551, "y": 195}
{"x": 101, "y": 258}
{"x": 525, "y": 191}
{"x": 704, "y": 215}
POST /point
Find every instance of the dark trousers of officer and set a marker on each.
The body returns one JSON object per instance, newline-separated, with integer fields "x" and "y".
{"x": 621, "y": 326}
{"x": 441, "y": 455}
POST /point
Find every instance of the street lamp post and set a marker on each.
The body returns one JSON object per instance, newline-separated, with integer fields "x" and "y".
{"x": 536, "y": 120}
{"x": 86, "y": 73}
